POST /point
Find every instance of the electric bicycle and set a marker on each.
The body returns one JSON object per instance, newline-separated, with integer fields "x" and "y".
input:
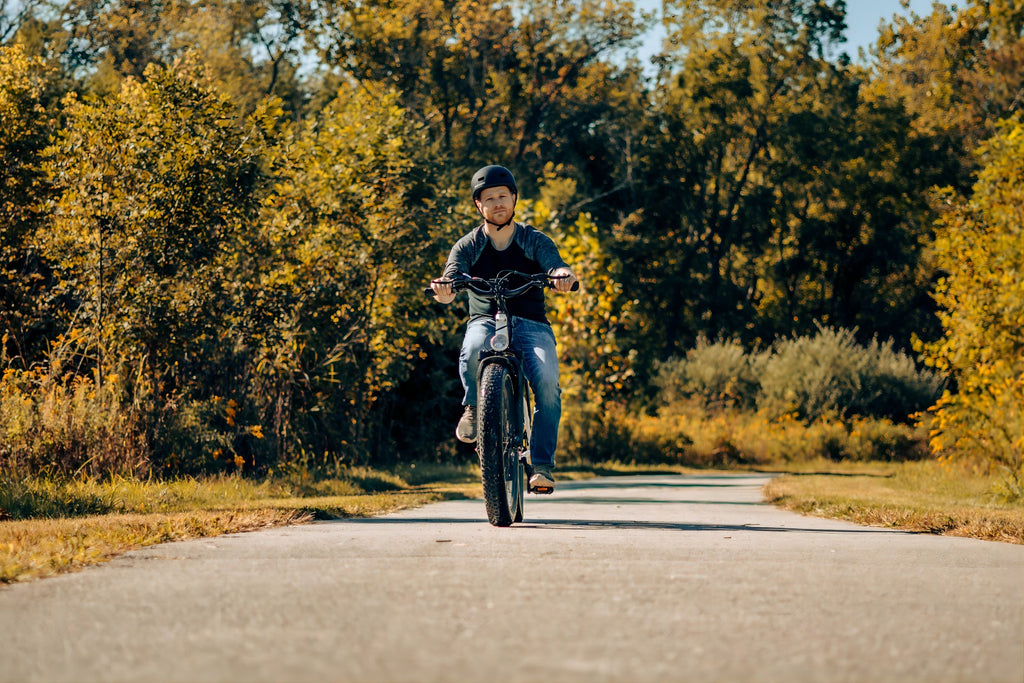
{"x": 503, "y": 409}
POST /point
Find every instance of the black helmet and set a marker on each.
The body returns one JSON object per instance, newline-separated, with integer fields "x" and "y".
{"x": 493, "y": 176}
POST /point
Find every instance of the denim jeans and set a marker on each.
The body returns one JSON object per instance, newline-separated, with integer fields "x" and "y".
{"x": 536, "y": 344}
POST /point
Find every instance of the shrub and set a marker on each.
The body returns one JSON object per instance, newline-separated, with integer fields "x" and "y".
{"x": 615, "y": 437}
{"x": 831, "y": 374}
{"x": 720, "y": 375}
{"x": 809, "y": 377}
{"x": 64, "y": 423}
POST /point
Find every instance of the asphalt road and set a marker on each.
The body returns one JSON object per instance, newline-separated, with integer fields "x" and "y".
{"x": 665, "y": 578}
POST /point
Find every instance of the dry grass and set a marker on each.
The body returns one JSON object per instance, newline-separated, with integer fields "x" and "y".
{"x": 65, "y": 527}
{"x": 31, "y": 549}
{"x": 36, "y": 548}
{"x": 925, "y": 496}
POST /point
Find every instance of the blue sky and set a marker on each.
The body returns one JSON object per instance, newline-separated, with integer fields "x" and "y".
{"x": 862, "y": 19}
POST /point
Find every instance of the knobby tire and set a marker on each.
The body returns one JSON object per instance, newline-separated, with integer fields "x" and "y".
{"x": 496, "y": 446}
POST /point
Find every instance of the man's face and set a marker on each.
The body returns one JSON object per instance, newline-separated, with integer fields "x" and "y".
{"x": 496, "y": 204}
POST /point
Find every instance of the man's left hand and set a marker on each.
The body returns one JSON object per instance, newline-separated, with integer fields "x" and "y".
{"x": 563, "y": 284}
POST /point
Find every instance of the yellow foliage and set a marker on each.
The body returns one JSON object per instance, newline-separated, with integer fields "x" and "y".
{"x": 980, "y": 246}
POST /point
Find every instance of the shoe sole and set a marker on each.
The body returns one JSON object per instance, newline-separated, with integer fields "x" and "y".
{"x": 542, "y": 488}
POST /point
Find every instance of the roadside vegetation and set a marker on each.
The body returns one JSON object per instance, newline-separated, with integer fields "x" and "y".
{"x": 924, "y": 496}
{"x": 53, "y": 525}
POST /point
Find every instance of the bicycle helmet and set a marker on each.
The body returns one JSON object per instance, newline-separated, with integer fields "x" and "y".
{"x": 493, "y": 176}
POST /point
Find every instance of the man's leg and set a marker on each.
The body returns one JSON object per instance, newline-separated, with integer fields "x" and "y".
{"x": 477, "y": 334}
{"x": 540, "y": 363}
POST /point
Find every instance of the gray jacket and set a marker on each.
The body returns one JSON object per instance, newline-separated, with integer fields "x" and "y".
{"x": 536, "y": 245}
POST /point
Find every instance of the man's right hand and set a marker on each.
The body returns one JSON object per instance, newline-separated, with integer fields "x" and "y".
{"x": 442, "y": 291}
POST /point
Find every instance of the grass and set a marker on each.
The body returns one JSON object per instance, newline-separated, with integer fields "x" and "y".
{"x": 52, "y": 526}
{"x": 924, "y": 496}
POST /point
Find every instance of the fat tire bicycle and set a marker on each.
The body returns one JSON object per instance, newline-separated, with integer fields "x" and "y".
{"x": 503, "y": 411}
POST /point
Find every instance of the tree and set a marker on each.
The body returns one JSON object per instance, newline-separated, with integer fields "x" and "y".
{"x": 157, "y": 187}
{"x": 593, "y": 324}
{"x": 957, "y": 71}
{"x": 27, "y": 119}
{"x": 850, "y": 218}
{"x": 510, "y": 81}
{"x": 253, "y": 49}
{"x": 13, "y": 15}
{"x": 980, "y": 247}
{"x": 334, "y": 309}
{"x": 735, "y": 76}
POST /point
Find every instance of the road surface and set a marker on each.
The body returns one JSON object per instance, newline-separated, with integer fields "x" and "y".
{"x": 652, "y": 578}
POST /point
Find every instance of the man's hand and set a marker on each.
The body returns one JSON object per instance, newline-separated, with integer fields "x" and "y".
{"x": 563, "y": 284}
{"x": 442, "y": 291}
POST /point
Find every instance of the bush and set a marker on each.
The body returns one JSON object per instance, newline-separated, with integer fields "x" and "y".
{"x": 719, "y": 375}
{"x": 687, "y": 434}
{"x": 64, "y": 423}
{"x": 807, "y": 377}
{"x": 831, "y": 374}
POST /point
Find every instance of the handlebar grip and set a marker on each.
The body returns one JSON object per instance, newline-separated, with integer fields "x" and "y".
{"x": 428, "y": 291}
{"x": 575, "y": 286}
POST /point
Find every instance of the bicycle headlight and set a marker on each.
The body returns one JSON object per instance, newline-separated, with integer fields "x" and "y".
{"x": 499, "y": 342}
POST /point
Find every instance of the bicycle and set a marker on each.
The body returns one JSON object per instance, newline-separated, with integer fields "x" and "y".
{"x": 503, "y": 400}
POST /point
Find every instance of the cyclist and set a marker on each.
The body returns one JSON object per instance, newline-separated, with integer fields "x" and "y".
{"x": 501, "y": 243}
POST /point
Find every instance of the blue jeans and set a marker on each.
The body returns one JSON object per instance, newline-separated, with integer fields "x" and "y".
{"x": 536, "y": 344}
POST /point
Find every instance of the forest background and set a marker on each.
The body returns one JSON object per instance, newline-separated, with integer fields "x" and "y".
{"x": 218, "y": 216}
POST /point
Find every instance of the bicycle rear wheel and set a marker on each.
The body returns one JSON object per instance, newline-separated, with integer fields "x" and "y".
{"x": 500, "y": 468}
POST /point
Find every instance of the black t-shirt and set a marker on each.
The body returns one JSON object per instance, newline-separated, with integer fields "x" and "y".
{"x": 491, "y": 262}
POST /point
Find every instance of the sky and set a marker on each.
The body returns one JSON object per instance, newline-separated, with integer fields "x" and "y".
{"x": 862, "y": 19}
{"x": 863, "y": 16}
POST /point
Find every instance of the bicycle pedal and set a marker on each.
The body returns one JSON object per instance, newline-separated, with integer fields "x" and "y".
{"x": 542, "y": 489}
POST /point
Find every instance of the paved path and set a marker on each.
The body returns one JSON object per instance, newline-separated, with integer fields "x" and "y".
{"x": 665, "y": 578}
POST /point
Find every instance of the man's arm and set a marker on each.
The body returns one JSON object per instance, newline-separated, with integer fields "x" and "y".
{"x": 458, "y": 262}
{"x": 545, "y": 253}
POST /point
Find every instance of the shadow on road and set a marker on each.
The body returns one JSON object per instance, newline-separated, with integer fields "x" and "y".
{"x": 645, "y": 501}
{"x": 599, "y": 524}
{"x": 726, "y": 481}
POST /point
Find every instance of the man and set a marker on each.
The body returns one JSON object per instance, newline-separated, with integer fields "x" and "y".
{"x": 500, "y": 243}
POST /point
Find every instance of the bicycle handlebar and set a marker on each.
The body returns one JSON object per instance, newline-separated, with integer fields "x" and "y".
{"x": 496, "y": 286}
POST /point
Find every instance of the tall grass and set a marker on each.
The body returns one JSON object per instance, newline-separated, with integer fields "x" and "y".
{"x": 55, "y": 419}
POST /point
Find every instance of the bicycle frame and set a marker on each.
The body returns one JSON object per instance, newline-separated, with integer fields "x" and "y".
{"x": 513, "y": 363}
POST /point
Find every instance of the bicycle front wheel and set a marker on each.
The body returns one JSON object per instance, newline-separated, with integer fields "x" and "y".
{"x": 501, "y": 470}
